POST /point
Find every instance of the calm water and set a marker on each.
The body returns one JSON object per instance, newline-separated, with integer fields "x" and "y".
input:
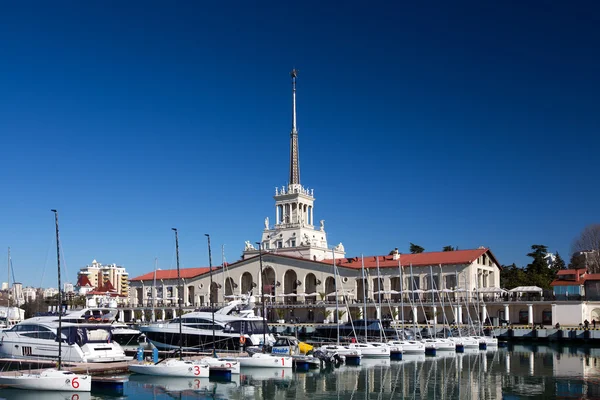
{"x": 521, "y": 372}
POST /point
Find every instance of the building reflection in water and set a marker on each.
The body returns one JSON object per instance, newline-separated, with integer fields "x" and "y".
{"x": 519, "y": 372}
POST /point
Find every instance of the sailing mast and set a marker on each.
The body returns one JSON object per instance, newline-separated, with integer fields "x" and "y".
{"x": 154, "y": 287}
{"x": 364, "y": 294}
{"x": 262, "y": 295}
{"x": 8, "y": 290}
{"x": 401, "y": 297}
{"x": 379, "y": 298}
{"x": 212, "y": 309}
{"x": 59, "y": 333}
{"x": 337, "y": 311}
{"x": 180, "y": 290}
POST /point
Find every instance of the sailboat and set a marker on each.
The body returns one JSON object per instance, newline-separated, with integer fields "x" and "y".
{"x": 369, "y": 350}
{"x": 214, "y": 361}
{"x": 52, "y": 379}
{"x": 174, "y": 366}
{"x": 352, "y": 356}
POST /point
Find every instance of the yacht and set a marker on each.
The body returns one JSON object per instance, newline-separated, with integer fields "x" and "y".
{"x": 128, "y": 337}
{"x": 233, "y": 324}
{"x": 35, "y": 338}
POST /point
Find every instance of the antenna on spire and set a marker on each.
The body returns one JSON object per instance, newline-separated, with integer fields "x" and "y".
{"x": 294, "y": 158}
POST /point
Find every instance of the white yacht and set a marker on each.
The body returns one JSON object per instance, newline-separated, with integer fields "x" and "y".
{"x": 233, "y": 324}
{"x": 35, "y": 338}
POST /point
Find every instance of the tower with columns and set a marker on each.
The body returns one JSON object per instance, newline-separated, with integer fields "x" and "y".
{"x": 294, "y": 231}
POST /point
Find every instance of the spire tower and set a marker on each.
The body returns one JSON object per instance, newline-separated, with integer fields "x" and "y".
{"x": 294, "y": 158}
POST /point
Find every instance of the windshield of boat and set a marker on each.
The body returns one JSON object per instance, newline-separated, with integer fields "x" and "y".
{"x": 248, "y": 327}
{"x": 197, "y": 323}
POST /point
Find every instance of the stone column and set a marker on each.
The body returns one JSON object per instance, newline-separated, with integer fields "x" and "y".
{"x": 415, "y": 314}
{"x": 530, "y": 314}
{"x": 506, "y": 313}
{"x": 312, "y": 222}
{"x": 277, "y": 214}
{"x": 459, "y": 315}
{"x": 378, "y": 312}
{"x": 152, "y": 316}
{"x": 554, "y": 317}
{"x": 397, "y": 312}
{"x": 121, "y": 316}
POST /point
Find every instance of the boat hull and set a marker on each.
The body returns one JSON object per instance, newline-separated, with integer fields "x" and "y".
{"x": 181, "y": 368}
{"x": 233, "y": 366}
{"x": 264, "y": 361}
{"x": 52, "y": 380}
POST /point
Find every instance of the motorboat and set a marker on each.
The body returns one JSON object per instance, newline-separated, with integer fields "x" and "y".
{"x": 35, "y": 338}
{"x": 128, "y": 337}
{"x": 443, "y": 344}
{"x": 233, "y": 324}
{"x": 263, "y": 360}
{"x": 173, "y": 367}
{"x": 50, "y": 379}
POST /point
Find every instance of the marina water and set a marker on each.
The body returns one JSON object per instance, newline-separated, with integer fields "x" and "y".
{"x": 517, "y": 372}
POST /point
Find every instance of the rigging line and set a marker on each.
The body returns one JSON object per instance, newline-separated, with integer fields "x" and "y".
{"x": 46, "y": 262}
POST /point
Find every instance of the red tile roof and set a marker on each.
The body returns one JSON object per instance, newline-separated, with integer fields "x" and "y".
{"x": 83, "y": 281}
{"x": 420, "y": 259}
{"x": 185, "y": 273}
{"x": 571, "y": 271}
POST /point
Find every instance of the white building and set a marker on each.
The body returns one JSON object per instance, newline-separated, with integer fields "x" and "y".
{"x": 299, "y": 276}
{"x": 98, "y": 275}
{"x": 50, "y": 292}
{"x": 29, "y": 293}
{"x": 68, "y": 288}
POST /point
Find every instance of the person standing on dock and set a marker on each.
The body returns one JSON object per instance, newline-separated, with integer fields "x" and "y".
{"x": 594, "y": 323}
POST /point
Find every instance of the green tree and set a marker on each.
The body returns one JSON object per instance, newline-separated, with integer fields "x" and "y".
{"x": 512, "y": 276}
{"x": 558, "y": 264}
{"x": 448, "y": 248}
{"x": 538, "y": 271}
{"x": 415, "y": 248}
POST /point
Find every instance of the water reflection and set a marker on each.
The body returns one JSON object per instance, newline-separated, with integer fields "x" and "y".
{"x": 521, "y": 371}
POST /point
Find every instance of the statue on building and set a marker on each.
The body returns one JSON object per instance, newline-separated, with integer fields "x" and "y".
{"x": 267, "y": 223}
{"x": 249, "y": 246}
{"x": 339, "y": 247}
{"x": 306, "y": 240}
{"x": 322, "y": 225}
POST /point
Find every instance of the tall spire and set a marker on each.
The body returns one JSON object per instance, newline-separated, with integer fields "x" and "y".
{"x": 294, "y": 159}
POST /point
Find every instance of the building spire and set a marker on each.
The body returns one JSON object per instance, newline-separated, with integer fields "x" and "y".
{"x": 294, "y": 159}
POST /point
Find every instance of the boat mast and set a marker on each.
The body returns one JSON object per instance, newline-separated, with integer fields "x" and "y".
{"x": 180, "y": 290}
{"x": 401, "y": 297}
{"x": 364, "y": 294}
{"x": 379, "y": 298}
{"x": 337, "y": 311}
{"x": 212, "y": 309}
{"x": 262, "y": 295}
{"x": 8, "y": 290}
{"x": 154, "y": 287}
{"x": 59, "y": 333}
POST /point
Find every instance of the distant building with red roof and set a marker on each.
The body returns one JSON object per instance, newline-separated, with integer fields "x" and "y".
{"x": 96, "y": 275}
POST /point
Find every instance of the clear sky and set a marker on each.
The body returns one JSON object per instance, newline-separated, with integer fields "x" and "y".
{"x": 444, "y": 123}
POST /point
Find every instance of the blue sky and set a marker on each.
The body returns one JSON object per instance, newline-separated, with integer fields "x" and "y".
{"x": 461, "y": 124}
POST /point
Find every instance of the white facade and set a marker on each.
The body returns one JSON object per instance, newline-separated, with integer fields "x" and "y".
{"x": 29, "y": 293}
{"x": 98, "y": 274}
{"x": 50, "y": 292}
